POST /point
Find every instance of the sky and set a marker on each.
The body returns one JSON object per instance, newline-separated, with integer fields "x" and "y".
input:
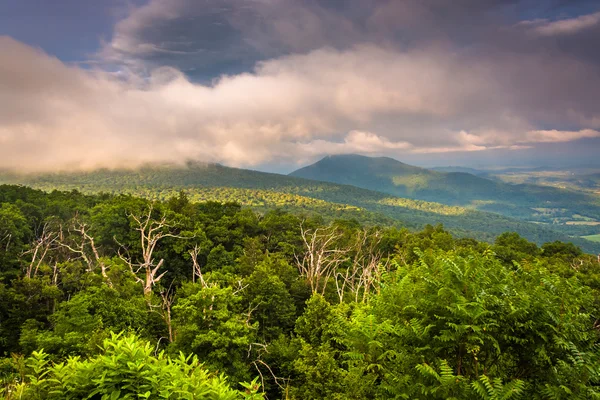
{"x": 276, "y": 84}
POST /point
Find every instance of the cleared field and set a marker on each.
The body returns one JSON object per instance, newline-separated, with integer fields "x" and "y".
{"x": 582, "y": 223}
{"x": 593, "y": 238}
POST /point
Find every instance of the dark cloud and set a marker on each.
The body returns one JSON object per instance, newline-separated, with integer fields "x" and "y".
{"x": 212, "y": 37}
{"x": 249, "y": 82}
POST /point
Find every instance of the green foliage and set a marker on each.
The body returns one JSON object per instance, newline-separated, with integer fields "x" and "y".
{"x": 269, "y": 299}
{"x": 126, "y": 368}
{"x": 462, "y": 194}
{"x": 479, "y": 317}
{"x": 510, "y": 247}
{"x": 14, "y": 232}
{"x": 496, "y": 390}
{"x": 565, "y": 250}
{"x": 80, "y": 324}
{"x": 442, "y": 318}
{"x": 540, "y": 204}
{"x": 209, "y": 324}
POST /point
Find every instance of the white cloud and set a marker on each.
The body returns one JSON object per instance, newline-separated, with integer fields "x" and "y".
{"x": 556, "y": 136}
{"x": 354, "y": 142}
{"x": 567, "y": 26}
{"x": 53, "y": 115}
{"x": 367, "y": 99}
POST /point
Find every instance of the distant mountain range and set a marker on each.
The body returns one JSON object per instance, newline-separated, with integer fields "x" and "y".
{"x": 263, "y": 191}
{"x": 582, "y": 178}
{"x": 391, "y": 176}
{"x": 542, "y": 204}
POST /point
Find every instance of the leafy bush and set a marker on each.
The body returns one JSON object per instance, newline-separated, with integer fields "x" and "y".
{"x": 127, "y": 368}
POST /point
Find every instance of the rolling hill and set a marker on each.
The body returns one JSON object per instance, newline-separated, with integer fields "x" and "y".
{"x": 564, "y": 209}
{"x": 391, "y": 176}
{"x": 265, "y": 191}
{"x": 584, "y": 179}
{"x": 472, "y": 171}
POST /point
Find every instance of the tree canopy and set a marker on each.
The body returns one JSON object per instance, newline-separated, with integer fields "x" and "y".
{"x": 113, "y": 296}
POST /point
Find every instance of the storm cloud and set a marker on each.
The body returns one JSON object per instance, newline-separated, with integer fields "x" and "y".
{"x": 260, "y": 81}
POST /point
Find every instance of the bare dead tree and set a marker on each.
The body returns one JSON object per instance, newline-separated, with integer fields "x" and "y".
{"x": 240, "y": 287}
{"x": 282, "y": 383}
{"x": 250, "y": 311}
{"x": 151, "y": 232}
{"x": 86, "y": 249}
{"x": 167, "y": 302}
{"x": 163, "y": 309}
{"x": 196, "y": 270}
{"x": 577, "y": 264}
{"x": 321, "y": 258}
{"x": 366, "y": 269}
{"x": 6, "y": 238}
{"x": 45, "y": 242}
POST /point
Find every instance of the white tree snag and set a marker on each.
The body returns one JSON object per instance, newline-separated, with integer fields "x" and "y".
{"x": 368, "y": 265}
{"x": 321, "y": 258}
{"x": 45, "y": 242}
{"x": 196, "y": 270}
{"x": 86, "y": 248}
{"x": 6, "y": 238}
{"x": 151, "y": 233}
{"x": 167, "y": 303}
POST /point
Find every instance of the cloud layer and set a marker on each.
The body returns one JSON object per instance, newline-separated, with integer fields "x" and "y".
{"x": 317, "y": 81}
{"x": 566, "y": 26}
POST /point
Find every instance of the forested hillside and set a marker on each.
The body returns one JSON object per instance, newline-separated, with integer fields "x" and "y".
{"x": 114, "y": 296}
{"x": 559, "y": 207}
{"x": 265, "y": 191}
{"x": 584, "y": 179}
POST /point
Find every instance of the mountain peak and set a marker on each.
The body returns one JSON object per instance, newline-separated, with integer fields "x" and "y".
{"x": 360, "y": 157}
{"x": 357, "y": 163}
{"x": 385, "y": 174}
{"x": 359, "y": 170}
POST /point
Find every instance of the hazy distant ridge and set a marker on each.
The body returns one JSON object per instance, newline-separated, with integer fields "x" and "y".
{"x": 267, "y": 191}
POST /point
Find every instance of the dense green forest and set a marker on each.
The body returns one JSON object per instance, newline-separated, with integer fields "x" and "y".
{"x": 109, "y": 296}
{"x": 265, "y": 191}
{"x": 562, "y": 207}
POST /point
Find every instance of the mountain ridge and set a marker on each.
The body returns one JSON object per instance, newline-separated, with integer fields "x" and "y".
{"x": 268, "y": 190}
{"x": 522, "y": 200}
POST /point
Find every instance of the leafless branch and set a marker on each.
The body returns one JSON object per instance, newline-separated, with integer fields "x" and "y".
{"x": 282, "y": 383}
{"x": 196, "y": 270}
{"x": 321, "y": 258}
{"x": 85, "y": 247}
{"x": 366, "y": 269}
{"x": 6, "y": 238}
{"x": 43, "y": 244}
{"x": 151, "y": 231}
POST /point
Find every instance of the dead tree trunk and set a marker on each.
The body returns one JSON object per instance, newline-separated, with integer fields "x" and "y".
{"x": 151, "y": 231}
{"x": 321, "y": 258}
{"x": 83, "y": 248}
{"x": 366, "y": 269}
{"x": 167, "y": 303}
{"x": 196, "y": 270}
{"x": 44, "y": 243}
